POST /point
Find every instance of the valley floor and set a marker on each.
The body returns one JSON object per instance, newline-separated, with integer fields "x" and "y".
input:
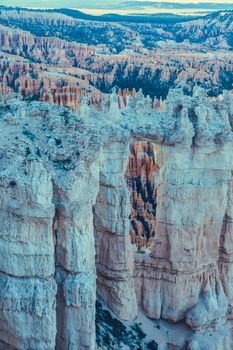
{"x": 142, "y": 333}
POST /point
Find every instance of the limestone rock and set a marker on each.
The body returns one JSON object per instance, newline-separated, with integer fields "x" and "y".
{"x": 64, "y": 198}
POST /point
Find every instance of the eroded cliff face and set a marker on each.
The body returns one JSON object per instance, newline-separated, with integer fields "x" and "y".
{"x": 182, "y": 269}
{"x": 65, "y": 87}
{"x": 142, "y": 176}
{"x": 69, "y": 200}
{"x": 43, "y": 49}
{"x": 80, "y": 55}
{"x": 49, "y": 183}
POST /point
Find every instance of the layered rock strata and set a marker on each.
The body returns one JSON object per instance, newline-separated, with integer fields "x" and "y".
{"x": 125, "y": 55}
{"x": 56, "y": 85}
{"x": 142, "y": 175}
{"x": 182, "y": 278}
{"x": 49, "y": 159}
{"x": 55, "y": 166}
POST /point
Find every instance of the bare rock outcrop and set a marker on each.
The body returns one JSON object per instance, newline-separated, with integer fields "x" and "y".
{"x": 65, "y": 87}
{"x": 142, "y": 175}
{"x": 44, "y": 205}
{"x": 153, "y": 57}
{"x": 43, "y": 49}
{"x": 65, "y": 198}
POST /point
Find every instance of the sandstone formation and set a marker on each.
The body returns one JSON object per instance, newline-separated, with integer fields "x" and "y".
{"x": 43, "y": 49}
{"x": 45, "y": 198}
{"x": 142, "y": 175}
{"x": 209, "y": 32}
{"x": 65, "y": 198}
{"x": 78, "y": 188}
{"x": 56, "y": 85}
{"x": 104, "y": 55}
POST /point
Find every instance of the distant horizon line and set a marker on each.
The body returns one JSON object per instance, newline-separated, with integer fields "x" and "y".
{"x": 121, "y": 2}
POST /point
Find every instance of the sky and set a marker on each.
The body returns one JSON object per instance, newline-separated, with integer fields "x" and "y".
{"x": 88, "y": 3}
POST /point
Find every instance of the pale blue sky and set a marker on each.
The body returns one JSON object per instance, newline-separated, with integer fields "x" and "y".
{"x": 60, "y": 3}
{"x": 86, "y": 3}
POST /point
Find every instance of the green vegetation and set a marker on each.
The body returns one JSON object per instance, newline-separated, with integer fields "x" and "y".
{"x": 29, "y": 135}
{"x": 113, "y": 334}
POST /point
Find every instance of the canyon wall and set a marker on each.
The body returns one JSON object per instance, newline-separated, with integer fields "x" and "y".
{"x": 49, "y": 182}
{"x": 184, "y": 275}
{"x": 69, "y": 58}
{"x": 63, "y": 184}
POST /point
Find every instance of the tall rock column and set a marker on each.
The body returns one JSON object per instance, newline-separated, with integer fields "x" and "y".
{"x": 114, "y": 254}
{"x": 74, "y": 165}
{"x": 27, "y": 285}
{"x": 74, "y": 197}
{"x": 192, "y": 199}
{"x": 187, "y": 273}
{"x": 49, "y": 178}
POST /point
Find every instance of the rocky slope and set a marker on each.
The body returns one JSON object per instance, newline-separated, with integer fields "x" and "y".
{"x": 56, "y": 85}
{"x": 212, "y": 31}
{"x": 49, "y": 226}
{"x": 153, "y": 57}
